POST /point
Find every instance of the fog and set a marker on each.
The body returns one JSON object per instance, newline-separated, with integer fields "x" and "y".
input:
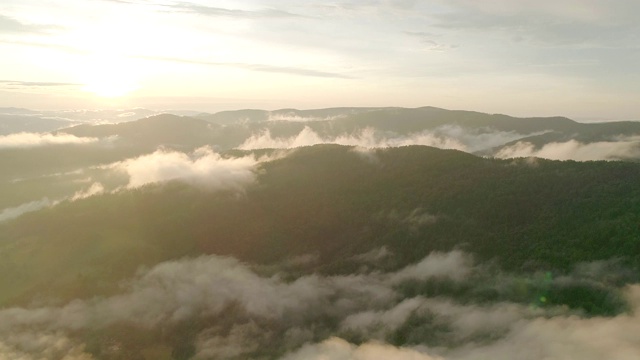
{"x": 27, "y": 140}
{"x": 444, "y": 137}
{"x": 203, "y": 168}
{"x": 14, "y": 212}
{"x": 314, "y": 316}
{"x": 625, "y": 148}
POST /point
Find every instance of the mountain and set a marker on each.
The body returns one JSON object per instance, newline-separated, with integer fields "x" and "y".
{"x": 253, "y": 115}
{"x": 484, "y": 134}
{"x": 165, "y": 129}
{"x": 332, "y": 202}
{"x": 16, "y": 120}
{"x": 315, "y": 232}
{"x": 16, "y": 123}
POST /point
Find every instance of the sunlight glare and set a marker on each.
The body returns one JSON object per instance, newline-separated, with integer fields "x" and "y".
{"x": 110, "y": 77}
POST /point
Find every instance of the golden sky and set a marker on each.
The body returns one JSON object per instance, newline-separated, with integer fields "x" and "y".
{"x": 578, "y": 58}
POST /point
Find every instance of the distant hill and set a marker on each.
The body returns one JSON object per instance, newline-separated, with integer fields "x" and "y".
{"x": 230, "y": 129}
{"x": 16, "y": 123}
{"x": 253, "y": 116}
{"x": 474, "y": 132}
{"x": 15, "y": 120}
{"x": 165, "y": 129}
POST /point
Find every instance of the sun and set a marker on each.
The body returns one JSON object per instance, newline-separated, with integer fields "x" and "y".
{"x": 110, "y": 77}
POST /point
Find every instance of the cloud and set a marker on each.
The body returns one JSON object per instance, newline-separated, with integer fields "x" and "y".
{"x": 12, "y": 83}
{"x": 180, "y": 289}
{"x": 521, "y": 334}
{"x": 378, "y": 324}
{"x": 27, "y": 140}
{"x": 374, "y": 256}
{"x": 454, "y": 265}
{"x": 574, "y": 150}
{"x": 428, "y": 43}
{"x": 240, "y": 340}
{"x": 593, "y": 23}
{"x": 445, "y": 137}
{"x": 234, "y": 13}
{"x": 95, "y": 189}
{"x": 45, "y": 346}
{"x": 262, "y": 141}
{"x": 12, "y": 26}
{"x": 291, "y": 70}
{"x": 367, "y": 138}
{"x": 252, "y": 313}
{"x": 14, "y": 212}
{"x": 203, "y": 168}
{"x": 415, "y": 219}
{"x": 338, "y": 349}
{"x": 45, "y": 45}
{"x": 298, "y": 118}
{"x": 566, "y": 337}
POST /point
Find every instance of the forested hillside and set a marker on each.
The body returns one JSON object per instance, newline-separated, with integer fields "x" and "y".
{"x": 334, "y": 202}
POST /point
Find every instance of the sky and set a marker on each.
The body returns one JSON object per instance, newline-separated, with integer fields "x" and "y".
{"x": 576, "y": 58}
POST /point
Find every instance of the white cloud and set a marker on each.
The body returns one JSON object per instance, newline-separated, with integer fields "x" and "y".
{"x": 377, "y": 324}
{"x": 272, "y": 311}
{"x": 445, "y": 137}
{"x": 177, "y": 290}
{"x": 26, "y": 140}
{"x": 95, "y": 189}
{"x": 203, "y": 168}
{"x": 454, "y": 265}
{"x": 297, "y": 118}
{"x": 478, "y": 139}
{"x": 566, "y": 337}
{"x": 14, "y": 212}
{"x": 367, "y": 138}
{"x": 374, "y": 256}
{"x": 263, "y": 141}
{"x": 575, "y": 150}
{"x": 523, "y": 333}
{"x": 470, "y": 321}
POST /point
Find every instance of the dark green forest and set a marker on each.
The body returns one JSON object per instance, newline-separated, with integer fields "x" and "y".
{"x": 524, "y": 216}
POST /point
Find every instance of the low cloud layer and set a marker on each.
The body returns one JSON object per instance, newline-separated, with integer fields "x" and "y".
{"x": 317, "y": 317}
{"x": 203, "y": 168}
{"x": 14, "y": 212}
{"x": 95, "y": 189}
{"x": 574, "y": 150}
{"x": 445, "y": 137}
{"x": 524, "y": 335}
{"x": 177, "y": 291}
{"x": 27, "y": 140}
{"x": 454, "y": 265}
{"x": 298, "y": 118}
{"x": 338, "y": 349}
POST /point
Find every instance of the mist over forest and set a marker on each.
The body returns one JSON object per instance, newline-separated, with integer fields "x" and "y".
{"x": 340, "y": 233}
